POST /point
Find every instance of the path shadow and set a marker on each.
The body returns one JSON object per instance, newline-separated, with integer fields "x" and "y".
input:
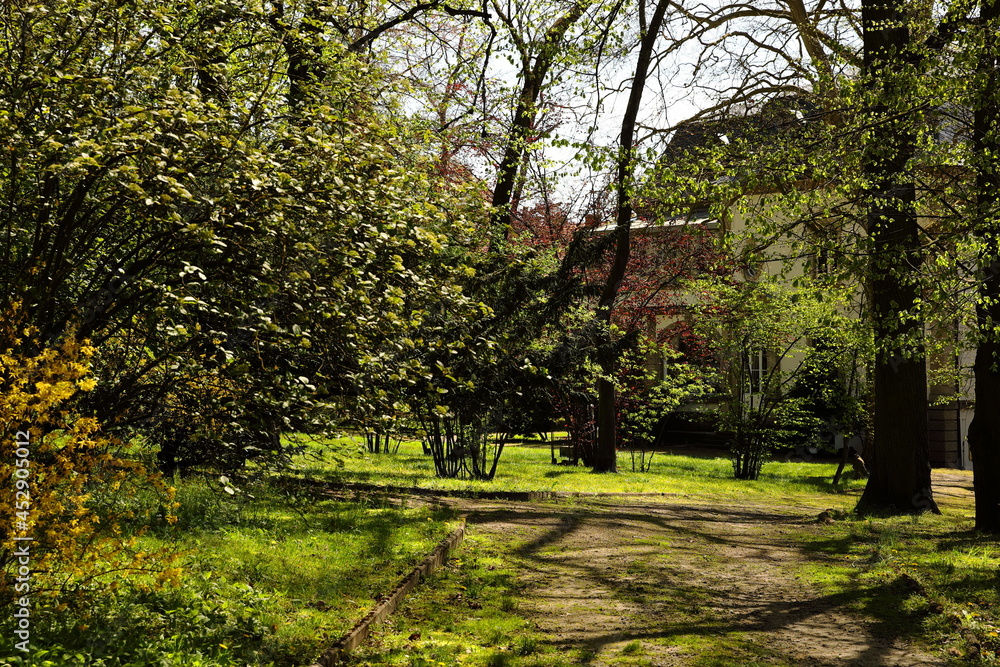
{"x": 690, "y": 531}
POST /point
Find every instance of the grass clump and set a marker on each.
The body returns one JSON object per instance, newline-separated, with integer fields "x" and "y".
{"x": 632, "y": 648}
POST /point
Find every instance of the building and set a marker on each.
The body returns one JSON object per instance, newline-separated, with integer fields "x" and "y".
{"x": 809, "y": 246}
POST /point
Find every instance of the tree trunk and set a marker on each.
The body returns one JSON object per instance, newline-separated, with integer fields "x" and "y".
{"x": 514, "y": 151}
{"x": 900, "y": 480}
{"x": 984, "y": 432}
{"x": 302, "y": 49}
{"x": 606, "y": 452}
{"x": 534, "y": 70}
{"x": 606, "y": 459}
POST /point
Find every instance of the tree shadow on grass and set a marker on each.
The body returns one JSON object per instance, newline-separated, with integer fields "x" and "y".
{"x": 824, "y": 483}
{"x": 743, "y": 637}
{"x": 725, "y": 609}
{"x": 393, "y": 480}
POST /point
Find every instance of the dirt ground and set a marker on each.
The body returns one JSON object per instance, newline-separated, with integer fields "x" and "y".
{"x": 668, "y": 580}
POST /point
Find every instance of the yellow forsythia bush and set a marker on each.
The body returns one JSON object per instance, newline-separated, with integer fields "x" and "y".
{"x": 53, "y": 467}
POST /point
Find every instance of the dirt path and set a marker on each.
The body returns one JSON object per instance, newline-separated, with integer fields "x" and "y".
{"x": 637, "y": 582}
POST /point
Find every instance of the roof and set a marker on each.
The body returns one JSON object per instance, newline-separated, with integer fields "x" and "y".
{"x": 777, "y": 117}
{"x": 665, "y": 223}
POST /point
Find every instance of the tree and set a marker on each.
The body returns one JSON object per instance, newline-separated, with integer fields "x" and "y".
{"x": 761, "y": 333}
{"x": 646, "y": 393}
{"x": 984, "y": 432}
{"x": 222, "y": 209}
{"x": 730, "y": 58}
{"x": 888, "y": 118}
{"x": 647, "y": 58}
{"x": 607, "y": 441}
{"x": 900, "y": 479}
{"x": 537, "y": 55}
{"x": 484, "y": 359}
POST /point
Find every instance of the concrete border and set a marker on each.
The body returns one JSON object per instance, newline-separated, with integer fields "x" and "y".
{"x": 357, "y": 635}
{"x": 522, "y": 496}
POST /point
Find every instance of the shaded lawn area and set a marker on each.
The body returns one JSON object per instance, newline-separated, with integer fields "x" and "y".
{"x": 930, "y": 575}
{"x": 266, "y": 578}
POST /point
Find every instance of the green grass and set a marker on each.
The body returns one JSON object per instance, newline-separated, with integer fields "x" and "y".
{"x": 467, "y": 615}
{"x": 928, "y": 579}
{"x": 268, "y": 579}
{"x": 273, "y": 577}
{"x": 931, "y": 577}
{"x": 529, "y": 468}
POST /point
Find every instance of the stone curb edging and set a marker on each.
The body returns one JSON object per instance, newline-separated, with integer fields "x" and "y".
{"x": 524, "y": 496}
{"x": 357, "y": 635}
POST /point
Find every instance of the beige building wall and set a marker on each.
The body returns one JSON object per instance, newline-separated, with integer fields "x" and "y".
{"x": 949, "y": 402}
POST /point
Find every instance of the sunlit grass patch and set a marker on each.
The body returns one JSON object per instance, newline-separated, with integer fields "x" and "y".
{"x": 529, "y": 468}
{"x": 466, "y": 615}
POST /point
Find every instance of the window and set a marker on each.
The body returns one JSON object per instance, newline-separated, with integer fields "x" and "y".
{"x": 824, "y": 239}
{"x": 824, "y": 261}
{"x": 757, "y": 370}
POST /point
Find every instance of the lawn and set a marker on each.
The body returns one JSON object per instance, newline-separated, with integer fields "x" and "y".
{"x": 931, "y": 576}
{"x": 272, "y": 577}
{"x": 267, "y": 578}
{"x": 527, "y": 467}
{"x": 930, "y": 579}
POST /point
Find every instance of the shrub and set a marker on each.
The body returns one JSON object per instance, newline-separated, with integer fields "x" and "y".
{"x": 59, "y": 477}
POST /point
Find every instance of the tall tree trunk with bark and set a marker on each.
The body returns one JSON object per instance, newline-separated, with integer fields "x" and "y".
{"x": 984, "y": 432}
{"x": 535, "y": 68}
{"x": 606, "y": 457}
{"x": 900, "y": 471}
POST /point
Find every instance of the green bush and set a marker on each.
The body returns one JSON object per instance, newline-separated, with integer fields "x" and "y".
{"x": 208, "y": 621}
